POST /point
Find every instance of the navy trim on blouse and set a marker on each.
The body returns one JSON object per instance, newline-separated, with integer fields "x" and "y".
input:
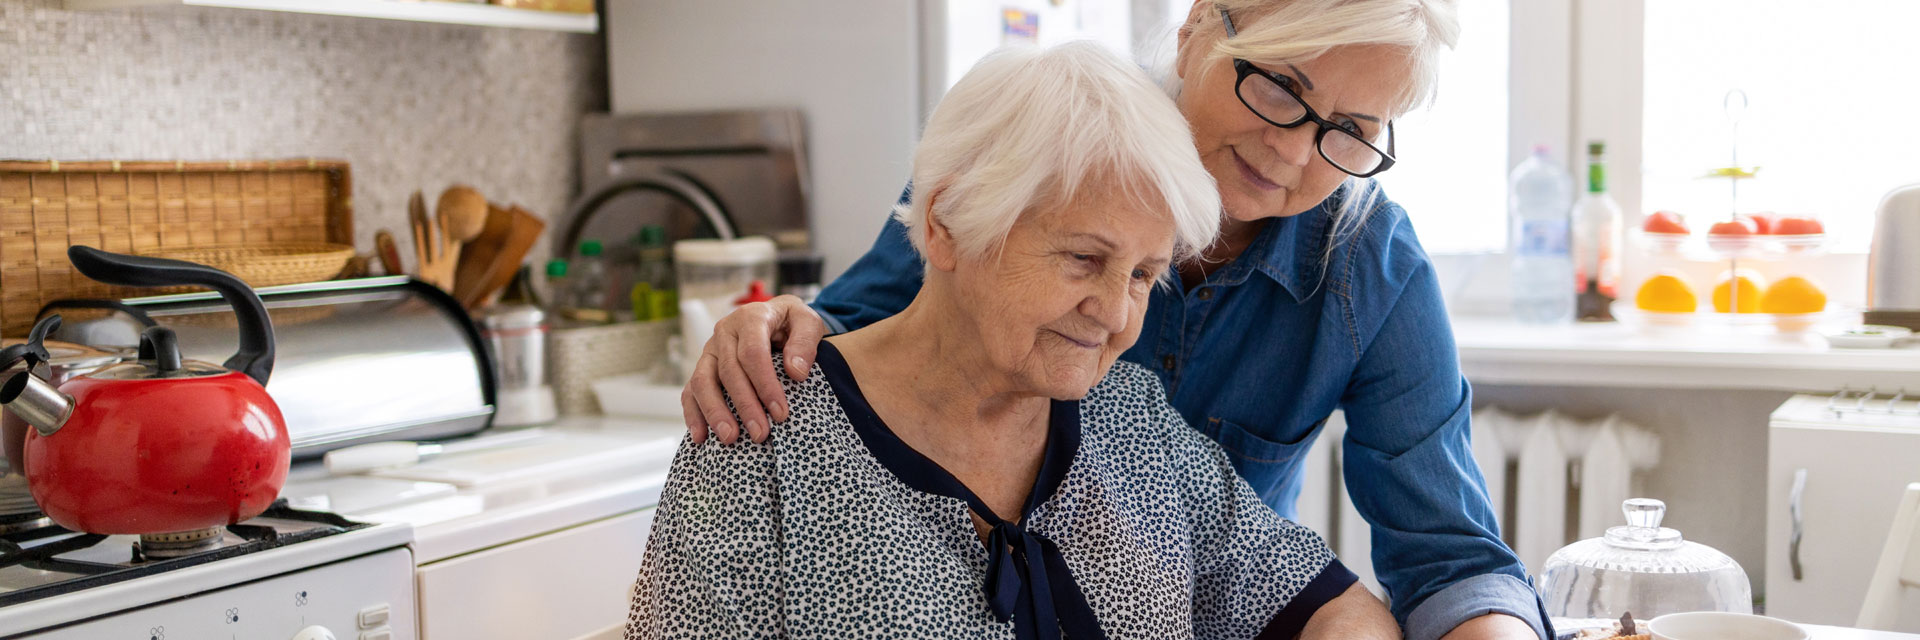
{"x": 1028, "y": 581}
{"x": 1292, "y": 619}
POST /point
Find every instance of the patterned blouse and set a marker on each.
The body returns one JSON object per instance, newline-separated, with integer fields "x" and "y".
{"x": 1136, "y": 527}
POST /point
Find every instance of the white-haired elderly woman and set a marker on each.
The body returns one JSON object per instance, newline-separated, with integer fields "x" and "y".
{"x": 977, "y": 465}
{"x": 1317, "y": 297}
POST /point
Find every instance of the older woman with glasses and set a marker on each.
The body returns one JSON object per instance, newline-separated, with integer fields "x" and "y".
{"x": 1316, "y": 297}
{"x": 953, "y": 471}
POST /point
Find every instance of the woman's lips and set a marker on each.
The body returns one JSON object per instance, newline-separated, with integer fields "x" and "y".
{"x": 1077, "y": 342}
{"x": 1247, "y": 171}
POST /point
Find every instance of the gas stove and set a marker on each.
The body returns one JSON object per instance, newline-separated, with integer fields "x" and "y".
{"x": 289, "y": 573}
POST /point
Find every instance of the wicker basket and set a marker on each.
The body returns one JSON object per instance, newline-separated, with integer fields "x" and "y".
{"x": 267, "y": 265}
{"x": 582, "y": 355}
{"x": 145, "y": 207}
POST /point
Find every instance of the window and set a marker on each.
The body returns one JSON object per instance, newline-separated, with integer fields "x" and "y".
{"x": 1830, "y": 86}
{"x": 1451, "y": 170}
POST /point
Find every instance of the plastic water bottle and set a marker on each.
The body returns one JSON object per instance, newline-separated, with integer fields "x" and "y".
{"x": 1539, "y": 215}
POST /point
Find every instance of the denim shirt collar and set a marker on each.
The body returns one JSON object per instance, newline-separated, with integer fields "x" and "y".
{"x": 1289, "y": 250}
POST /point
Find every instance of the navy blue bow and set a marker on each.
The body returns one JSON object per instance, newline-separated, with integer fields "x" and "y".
{"x": 1028, "y": 582}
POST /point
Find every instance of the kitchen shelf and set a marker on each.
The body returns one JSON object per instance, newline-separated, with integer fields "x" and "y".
{"x": 484, "y": 15}
{"x": 1497, "y": 351}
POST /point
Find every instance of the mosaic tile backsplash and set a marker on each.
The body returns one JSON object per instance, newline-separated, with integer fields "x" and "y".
{"x": 410, "y": 105}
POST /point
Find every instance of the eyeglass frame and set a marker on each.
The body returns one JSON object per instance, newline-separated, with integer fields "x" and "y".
{"x": 1245, "y": 68}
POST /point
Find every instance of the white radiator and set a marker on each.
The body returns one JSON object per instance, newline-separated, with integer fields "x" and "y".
{"x": 1552, "y": 480}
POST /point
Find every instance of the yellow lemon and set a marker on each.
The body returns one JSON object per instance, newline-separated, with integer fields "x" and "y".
{"x": 1666, "y": 293}
{"x": 1793, "y": 295}
{"x": 1746, "y": 284}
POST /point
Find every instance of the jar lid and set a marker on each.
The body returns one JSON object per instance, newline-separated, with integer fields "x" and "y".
{"x": 736, "y": 252}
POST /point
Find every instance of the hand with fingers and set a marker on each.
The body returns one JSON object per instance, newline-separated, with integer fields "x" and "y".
{"x": 737, "y": 363}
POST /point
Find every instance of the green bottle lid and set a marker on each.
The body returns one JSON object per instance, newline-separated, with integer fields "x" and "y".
{"x": 1596, "y": 147}
{"x": 590, "y": 248}
{"x": 653, "y": 235}
{"x": 556, "y": 268}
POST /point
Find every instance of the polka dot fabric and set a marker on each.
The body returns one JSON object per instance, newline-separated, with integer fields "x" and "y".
{"x": 810, "y": 536}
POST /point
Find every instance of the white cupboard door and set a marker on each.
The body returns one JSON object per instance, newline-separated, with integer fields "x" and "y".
{"x": 559, "y": 586}
{"x": 1853, "y": 483}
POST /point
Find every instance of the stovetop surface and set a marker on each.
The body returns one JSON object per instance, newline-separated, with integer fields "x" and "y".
{"x": 50, "y": 561}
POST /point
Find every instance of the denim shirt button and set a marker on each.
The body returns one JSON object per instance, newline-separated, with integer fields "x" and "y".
{"x": 1166, "y": 362}
{"x": 1206, "y": 294}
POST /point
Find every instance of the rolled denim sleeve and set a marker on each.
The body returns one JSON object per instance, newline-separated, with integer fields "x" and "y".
{"x": 1471, "y": 598}
{"x": 878, "y": 285}
{"x": 1409, "y": 466}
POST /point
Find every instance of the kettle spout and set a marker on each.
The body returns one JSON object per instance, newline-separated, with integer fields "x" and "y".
{"x": 36, "y": 402}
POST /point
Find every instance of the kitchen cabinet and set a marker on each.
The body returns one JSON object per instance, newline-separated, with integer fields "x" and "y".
{"x": 1850, "y": 470}
{"x": 569, "y": 584}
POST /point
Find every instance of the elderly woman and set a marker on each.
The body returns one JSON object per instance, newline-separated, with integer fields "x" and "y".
{"x": 1316, "y": 297}
{"x": 953, "y": 470}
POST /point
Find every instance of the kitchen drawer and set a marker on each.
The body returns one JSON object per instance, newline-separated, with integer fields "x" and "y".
{"x": 558, "y": 586}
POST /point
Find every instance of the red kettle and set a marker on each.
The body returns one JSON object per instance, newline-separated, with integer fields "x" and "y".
{"x": 160, "y": 445}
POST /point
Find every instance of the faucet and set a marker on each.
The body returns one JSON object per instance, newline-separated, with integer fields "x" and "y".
{"x": 680, "y": 186}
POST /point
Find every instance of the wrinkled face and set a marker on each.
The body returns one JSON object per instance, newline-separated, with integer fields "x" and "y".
{"x": 1065, "y": 295}
{"x": 1266, "y": 171}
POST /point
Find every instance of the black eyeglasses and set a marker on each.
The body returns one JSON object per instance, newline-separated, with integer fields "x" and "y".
{"x": 1272, "y": 97}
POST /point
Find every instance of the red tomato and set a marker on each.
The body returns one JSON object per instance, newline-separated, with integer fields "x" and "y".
{"x": 1797, "y": 227}
{"x": 1763, "y": 222}
{"x": 1737, "y": 227}
{"x": 1665, "y": 222}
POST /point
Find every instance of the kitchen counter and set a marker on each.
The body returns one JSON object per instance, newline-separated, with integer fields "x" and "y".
{"x": 583, "y": 469}
{"x": 1500, "y": 351}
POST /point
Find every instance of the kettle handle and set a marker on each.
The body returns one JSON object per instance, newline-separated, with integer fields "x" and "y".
{"x": 255, "y": 357}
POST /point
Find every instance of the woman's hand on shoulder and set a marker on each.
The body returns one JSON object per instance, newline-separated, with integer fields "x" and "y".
{"x": 738, "y": 360}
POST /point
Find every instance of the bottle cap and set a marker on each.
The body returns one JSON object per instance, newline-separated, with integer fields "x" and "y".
{"x": 556, "y": 268}
{"x": 653, "y": 235}
{"x": 1596, "y": 147}
{"x": 590, "y": 248}
{"x": 756, "y": 292}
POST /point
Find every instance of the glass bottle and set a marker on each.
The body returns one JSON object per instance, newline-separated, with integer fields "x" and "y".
{"x": 653, "y": 296}
{"x": 588, "y": 284}
{"x": 1596, "y": 243}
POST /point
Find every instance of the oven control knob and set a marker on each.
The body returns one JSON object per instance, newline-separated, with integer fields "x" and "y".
{"x": 315, "y": 632}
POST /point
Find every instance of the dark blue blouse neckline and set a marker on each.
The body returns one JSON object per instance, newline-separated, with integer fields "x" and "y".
{"x": 1027, "y": 581}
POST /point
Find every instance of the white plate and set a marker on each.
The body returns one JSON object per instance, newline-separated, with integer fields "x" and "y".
{"x": 1872, "y": 336}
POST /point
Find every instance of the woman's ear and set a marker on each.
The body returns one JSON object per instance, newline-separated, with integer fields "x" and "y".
{"x": 942, "y": 252}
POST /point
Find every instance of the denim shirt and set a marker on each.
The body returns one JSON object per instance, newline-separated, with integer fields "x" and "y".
{"x": 1260, "y": 353}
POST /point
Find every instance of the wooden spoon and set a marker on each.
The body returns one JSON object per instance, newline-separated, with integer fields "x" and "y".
{"x": 462, "y": 212}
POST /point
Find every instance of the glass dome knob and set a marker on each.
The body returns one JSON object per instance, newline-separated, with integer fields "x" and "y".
{"x": 1644, "y": 513}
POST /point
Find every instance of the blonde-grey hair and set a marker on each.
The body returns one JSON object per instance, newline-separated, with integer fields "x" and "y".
{"x": 1030, "y": 128}
{"x": 1278, "y": 32}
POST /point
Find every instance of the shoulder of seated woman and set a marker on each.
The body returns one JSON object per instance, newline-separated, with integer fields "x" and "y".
{"x": 1127, "y": 403}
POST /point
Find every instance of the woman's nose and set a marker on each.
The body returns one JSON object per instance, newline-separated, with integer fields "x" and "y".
{"x": 1112, "y": 307}
{"x": 1295, "y": 145}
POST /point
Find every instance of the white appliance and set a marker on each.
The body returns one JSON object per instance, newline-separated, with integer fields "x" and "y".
{"x": 286, "y": 574}
{"x": 863, "y": 72}
{"x": 1836, "y": 468}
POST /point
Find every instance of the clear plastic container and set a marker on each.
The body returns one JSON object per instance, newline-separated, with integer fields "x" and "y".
{"x": 1643, "y": 569}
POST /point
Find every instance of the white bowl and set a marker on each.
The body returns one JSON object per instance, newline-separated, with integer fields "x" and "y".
{"x": 1719, "y": 625}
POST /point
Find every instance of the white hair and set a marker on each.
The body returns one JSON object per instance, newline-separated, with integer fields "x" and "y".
{"x": 1278, "y": 32}
{"x": 1028, "y": 127}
